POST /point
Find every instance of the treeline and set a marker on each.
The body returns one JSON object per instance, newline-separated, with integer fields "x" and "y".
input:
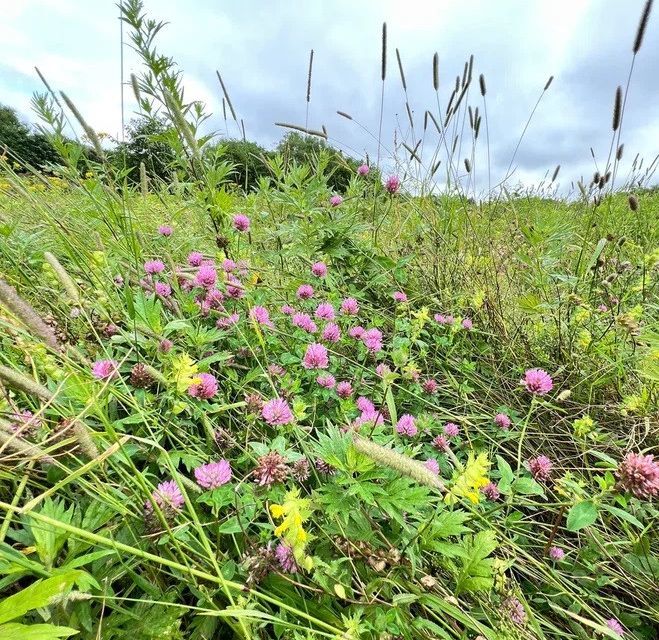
{"x": 149, "y": 142}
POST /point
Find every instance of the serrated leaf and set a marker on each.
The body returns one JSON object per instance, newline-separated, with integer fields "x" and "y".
{"x": 476, "y": 571}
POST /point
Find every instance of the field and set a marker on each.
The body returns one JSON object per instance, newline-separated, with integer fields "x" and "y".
{"x": 399, "y": 412}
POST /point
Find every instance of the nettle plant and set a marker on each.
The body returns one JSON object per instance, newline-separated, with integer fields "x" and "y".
{"x": 310, "y": 455}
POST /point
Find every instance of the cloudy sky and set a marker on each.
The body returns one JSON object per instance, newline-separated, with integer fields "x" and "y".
{"x": 262, "y": 50}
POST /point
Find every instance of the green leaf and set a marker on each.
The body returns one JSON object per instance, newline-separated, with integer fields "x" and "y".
{"x": 527, "y": 486}
{"x": 449, "y": 523}
{"x": 623, "y": 515}
{"x": 37, "y": 595}
{"x": 507, "y": 475}
{"x": 391, "y": 405}
{"x": 476, "y": 571}
{"x": 15, "y": 631}
{"x": 581, "y": 515}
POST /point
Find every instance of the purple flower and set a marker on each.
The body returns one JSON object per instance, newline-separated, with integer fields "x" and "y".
{"x": 350, "y": 307}
{"x": 206, "y": 276}
{"x": 491, "y": 491}
{"x": 213, "y": 474}
{"x": 372, "y": 338}
{"x": 285, "y": 558}
{"x": 315, "y": 357}
{"x": 406, "y": 425}
{"x": 344, "y": 389}
{"x": 356, "y": 332}
{"x": 331, "y": 332}
{"x": 205, "y": 389}
{"x": 615, "y": 626}
{"x": 556, "y": 553}
{"x": 400, "y": 296}
{"x": 305, "y": 291}
{"x": 363, "y": 169}
{"x": 326, "y": 380}
{"x": 336, "y": 200}
{"x": 503, "y": 421}
{"x": 467, "y": 324}
{"x": 365, "y": 405}
{"x": 105, "y": 369}
{"x": 515, "y": 610}
{"x": 271, "y": 468}
{"x": 382, "y": 370}
{"x": 639, "y": 475}
{"x": 319, "y": 269}
{"x": 451, "y": 429}
{"x": 235, "y": 288}
{"x": 432, "y": 465}
{"x": 228, "y": 321}
{"x": 154, "y": 266}
{"x": 392, "y": 184}
{"x": 195, "y": 259}
{"x": 540, "y": 467}
{"x": 304, "y": 321}
{"x": 167, "y": 495}
{"x": 165, "y": 345}
{"x": 276, "y": 412}
{"x": 163, "y": 289}
{"x": 276, "y": 370}
{"x": 429, "y": 386}
{"x": 228, "y": 265}
{"x": 286, "y": 309}
{"x": 262, "y": 316}
{"x": 165, "y": 230}
{"x": 325, "y": 311}
{"x": 241, "y": 222}
{"x": 440, "y": 442}
{"x": 537, "y": 381}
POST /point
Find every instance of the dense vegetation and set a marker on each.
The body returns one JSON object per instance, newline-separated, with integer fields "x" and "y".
{"x": 277, "y": 411}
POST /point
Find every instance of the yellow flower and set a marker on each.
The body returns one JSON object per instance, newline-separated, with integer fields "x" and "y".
{"x": 294, "y": 512}
{"x": 467, "y": 482}
{"x": 183, "y": 372}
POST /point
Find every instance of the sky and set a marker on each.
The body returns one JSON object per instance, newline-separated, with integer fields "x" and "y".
{"x": 262, "y": 50}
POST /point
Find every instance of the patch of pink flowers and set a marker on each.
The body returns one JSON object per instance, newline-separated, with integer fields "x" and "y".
{"x": 228, "y": 321}
{"x": 195, "y": 258}
{"x": 540, "y": 467}
{"x": 392, "y": 184}
{"x": 276, "y": 412}
{"x": 305, "y": 291}
{"x": 451, "y": 429}
{"x": 167, "y": 495}
{"x": 206, "y": 276}
{"x": 537, "y": 382}
{"x": 491, "y": 491}
{"x": 163, "y": 289}
{"x": 105, "y": 369}
{"x": 467, "y": 324}
{"x": 400, "y": 296}
{"x": 154, "y": 266}
{"x": 328, "y": 381}
{"x": 165, "y": 230}
{"x": 286, "y": 309}
{"x": 325, "y": 311}
{"x": 304, "y": 321}
{"x": 556, "y": 553}
{"x": 615, "y": 626}
{"x": 228, "y": 265}
{"x": 503, "y": 421}
{"x": 440, "y": 442}
{"x": 382, "y": 370}
{"x": 350, "y": 307}
{"x": 205, "y": 389}
{"x": 406, "y": 425}
{"x": 372, "y": 338}
{"x": 285, "y": 558}
{"x": 315, "y": 357}
{"x": 262, "y": 316}
{"x": 331, "y": 332}
{"x": 213, "y": 474}
{"x": 241, "y": 222}
{"x": 336, "y": 200}
{"x": 356, "y": 332}
{"x": 344, "y": 389}
{"x": 319, "y": 269}
{"x": 639, "y": 475}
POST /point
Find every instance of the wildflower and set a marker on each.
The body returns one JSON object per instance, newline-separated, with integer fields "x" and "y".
{"x": 277, "y": 412}
{"x": 305, "y": 322}
{"x": 400, "y": 296}
{"x": 365, "y": 405}
{"x": 440, "y": 318}
{"x": 514, "y": 609}
{"x": 441, "y": 443}
{"x": 382, "y": 370}
{"x": 154, "y": 266}
{"x": 503, "y": 421}
{"x": 467, "y": 324}
{"x": 300, "y": 470}
{"x": 118, "y": 280}
{"x": 615, "y": 626}
{"x": 491, "y": 491}
{"x": 392, "y": 184}
{"x": 451, "y": 429}
{"x": 328, "y": 381}
{"x": 262, "y": 316}
{"x": 344, "y": 389}
{"x": 213, "y": 474}
{"x": 305, "y": 291}
{"x": 356, "y": 332}
{"x": 195, "y": 259}
{"x": 372, "y": 338}
{"x": 602, "y": 308}
{"x": 556, "y": 553}
{"x": 285, "y": 558}
{"x": 540, "y": 467}
{"x": 254, "y": 403}
{"x": 468, "y": 481}
{"x": 165, "y": 230}
{"x": 25, "y": 423}
{"x": 228, "y": 265}
{"x": 336, "y": 200}
{"x": 270, "y": 468}
{"x": 429, "y": 386}
{"x": 141, "y": 377}
{"x": 293, "y": 513}
{"x": 639, "y": 475}
{"x": 235, "y": 288}
{"x": 213, "y": 300}
{"x": 315, "y": 357}
{"x": 287, "y": 310}
{"x": 163, "y": 289}
{"x": 432, "y": 465}
{"x": 537, "y": 381}
{"x": 325, "y": 311}
{"x": 167, "y": 496}
{"x": 205, "y": 388}
{"x": 241, "y": 222}
{"x": 206, "y": 276}
{"x": 319, "y": 269}
{"x": 363, "y": 169}
{"x": 350, "y": 307}
{"x": 105, "y": 369}
{"x": 276, "y": 370}
{"x": 406, "y": 425}
{"x": 165, "y": 345}
{"x": 325, "y": 467}
{"x": 228, "y": 321}
{"x": 331, "y": 332}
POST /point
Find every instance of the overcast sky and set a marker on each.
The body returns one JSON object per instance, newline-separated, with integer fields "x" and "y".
{"x": 262, "y": 50}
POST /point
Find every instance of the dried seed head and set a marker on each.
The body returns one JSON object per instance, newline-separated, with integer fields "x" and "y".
{"x": 136, "y": 87}
{"x": 642, "y": 25}
{"x": 435, "y": 71}
{"x": 617, "y": 108}
{"x": 481, "y": 82}
{"x": 555, "y": 174}
{"x": 226, "y": 95}
{"x": 343, "y": 114}
{"x": 633, "y": 203}
{"x": 309, "y": 76}
{"x": 467, "y": 165}
{"x": 619, "y": 152}
{"x": 384, "y": 51}
{"x": 400, "y": 69}
{"x": 548, "y": 83}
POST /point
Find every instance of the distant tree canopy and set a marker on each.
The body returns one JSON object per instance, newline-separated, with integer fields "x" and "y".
{"x": 22, "y": 144}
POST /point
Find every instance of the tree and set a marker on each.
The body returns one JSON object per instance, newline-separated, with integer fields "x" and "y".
{"x": 248, "y": 160}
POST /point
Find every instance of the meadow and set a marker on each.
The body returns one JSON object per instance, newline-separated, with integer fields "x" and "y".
{"x": 400, "y": 411}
